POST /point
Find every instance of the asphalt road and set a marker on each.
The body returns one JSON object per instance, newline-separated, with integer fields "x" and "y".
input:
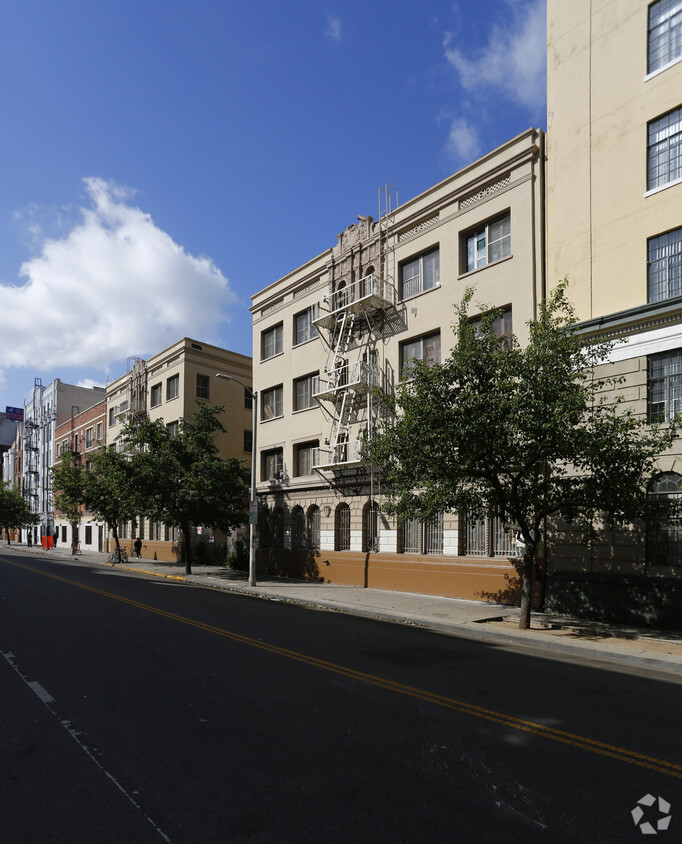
{"x": 139, "y": 710}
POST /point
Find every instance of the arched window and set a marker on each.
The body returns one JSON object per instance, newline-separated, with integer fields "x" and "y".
{"x": 342, "y": 528}
{"x": 664, "y": 538}
{"x": 298, "y": 520}
{"x": 370, "y": 527}
{"x": 313, "y": 526}
{"x": 277, "y": 528}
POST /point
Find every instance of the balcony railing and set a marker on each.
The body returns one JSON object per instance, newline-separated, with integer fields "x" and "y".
{"x": 342, "y": 454}
{"x": 358, "y": 376}
{"x": 365, "y": 295}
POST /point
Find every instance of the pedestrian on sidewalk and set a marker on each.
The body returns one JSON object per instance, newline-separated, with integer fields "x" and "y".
{"x": 137, "y": 545}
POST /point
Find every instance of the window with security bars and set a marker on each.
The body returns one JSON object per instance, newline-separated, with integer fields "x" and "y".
{"x": 422, "y": 537}
{"x": 665, "y": 33}
{"x": 313, "y": 526}
{"x": 664, "y": 383}
{"x": 664, "y": 266}
{"x": 298, "y": 524}
{"x": 420, "y": 274}
{"x": 664, "y": 539}
{"x": 664, "y": 149}
{"x": 370, "y": 527}
{"x": 486, "y": 244}
{"x": 342, "y": 531}
{"x": 488, "y": 537}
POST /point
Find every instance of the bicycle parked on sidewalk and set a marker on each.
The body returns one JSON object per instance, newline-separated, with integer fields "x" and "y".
{"x": 119, "y": 555}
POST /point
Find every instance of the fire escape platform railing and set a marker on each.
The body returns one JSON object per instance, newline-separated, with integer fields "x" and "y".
{"x": 342, "y": 454}
{"x": 357, "y": 376}
{"x": 366, "y": 295}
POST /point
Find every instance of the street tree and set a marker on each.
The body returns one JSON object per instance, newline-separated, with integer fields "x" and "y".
{"x": 69, "y": 480}
{"x": 526, "y": 433}
{"x": 110, "y": 492}
{"x": 182, "y": 478}
{"x": 15, "y": 512}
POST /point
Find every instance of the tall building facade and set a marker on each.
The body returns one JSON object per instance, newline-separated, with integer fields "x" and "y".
{"x": 351, "y": 319}
{"x": 614, "y": 212}
{"x": 167, "y": 387}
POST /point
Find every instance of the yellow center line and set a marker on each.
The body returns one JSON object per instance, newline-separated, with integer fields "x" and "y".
{"x": 622, "y": 754}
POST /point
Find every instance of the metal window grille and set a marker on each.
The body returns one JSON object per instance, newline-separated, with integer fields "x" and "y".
{"x": 476, "y": 536}
{"x": 298, "y": 517}
{"x": 411, "y": 531}
{"x": 343, "y": 527}
{"x": 314, "y": 527}
{"x": 503, "y": 539}
{"x": 433, "y": 535}
{"x": 370, "y": 528}
{"x": 664, "y": 539}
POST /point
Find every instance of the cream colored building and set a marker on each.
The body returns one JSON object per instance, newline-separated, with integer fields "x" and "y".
{"x": 168, "y": 387}
{"x": 352, "y": 318}
{"x": 614, "y": 212}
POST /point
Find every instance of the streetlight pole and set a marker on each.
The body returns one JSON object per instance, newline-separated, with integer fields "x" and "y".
{"x": 252, "y": 504}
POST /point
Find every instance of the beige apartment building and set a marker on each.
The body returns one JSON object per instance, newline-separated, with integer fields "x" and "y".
{"x": 352, "y": 318}
{"x": 614, "y": 212}
{"x": 168, "y": 387}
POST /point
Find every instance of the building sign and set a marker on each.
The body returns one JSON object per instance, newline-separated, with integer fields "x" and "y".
{"x": 15, "y": 413}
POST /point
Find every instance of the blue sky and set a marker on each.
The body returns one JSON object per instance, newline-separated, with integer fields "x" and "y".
{"x": 162, "y": 160}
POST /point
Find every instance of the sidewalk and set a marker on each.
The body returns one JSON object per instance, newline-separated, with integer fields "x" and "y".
{"x": 555, "y": 636}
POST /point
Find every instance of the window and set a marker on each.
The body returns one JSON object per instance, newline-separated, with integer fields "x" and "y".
{"x": 298, "y": 522}
{"x": 248, "y": 441}
{"x": 248, "y": 399}
{"x": 112, "y": 416}
{"x": 313, "y": 526}
{"x": 502, "y": 323}
{"x": 342, "y": 528}
{"x": 271, "y": 342}
{"x": 419, "y": 274}
{"x": 203, "y": 386}
{"x": 664, "y": 386}
{"x": 488, "y": 537}
{"x": 100, "y": 432}
{"x": 156, "y": 395}
{"x": 173, "y": 387}
{"x": 664, "y": 539}
{"x": 664, "y": 150}
{"x": 272, "y": 404}
{"x": 418, "y": 537}
{"x": 89, "y": 439}
{"x": 304, "y": 327}
{"x": 370, "y": 527}
{"x": 172, "y": 428}
{"x": 277, "y": 528}
{"x": 304, "y": 458}
{"x": 664, "y": 266}
{"x": 665, "y": 33}
{"x": 272, "y": 467}
{"x": 303, "y": 392}
{"x": 491, "y": 242}
{"x": 426, "y": 348}
{"x": 88, "y": 534}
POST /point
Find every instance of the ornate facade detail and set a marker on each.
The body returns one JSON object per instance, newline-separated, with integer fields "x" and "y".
{"x": 271, "y": 308}
{"x": 484, "y": 193}
{"x": 420, "y": 227}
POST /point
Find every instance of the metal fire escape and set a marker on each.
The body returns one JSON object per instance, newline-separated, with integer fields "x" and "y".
{"x": 135, "y": 402}
{"x": 348, "y": 319}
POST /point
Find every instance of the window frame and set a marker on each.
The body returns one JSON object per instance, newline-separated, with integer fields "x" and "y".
{"x": 310, "y": 329}
{"x": 663, "y": 384}
{"x": 473, "y": 234}
{"x": 277, "y": 332}
{"x": 173, "y": 381}
{"x": 656, "y": 150}
{"x": 278, "y": 394}
{"x": 309, "y": 380}
{"x": 156, "y": 394}
{"x": 272, "y": 465}
{"x": 300, "y": 449}
{"x": 405, "y": 370}
{"x": 204, "y": 388}
{"x": 417, "y": 281}
{"x": 668, "y": 264}
{"x": 665, "y": 34}
{"x": 659, "y": 533}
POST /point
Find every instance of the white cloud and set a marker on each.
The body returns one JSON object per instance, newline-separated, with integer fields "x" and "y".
{"x": 462, "y": 143}
{"x": 113, "y": 286}
{"x": 333, "y": 29}
{"x": 513, "y": 62}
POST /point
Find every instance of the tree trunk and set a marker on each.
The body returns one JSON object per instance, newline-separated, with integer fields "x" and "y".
{"x": 527, "y": 586}
{"x": 117, "y": 546}
{"x": 186, "y": 549}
